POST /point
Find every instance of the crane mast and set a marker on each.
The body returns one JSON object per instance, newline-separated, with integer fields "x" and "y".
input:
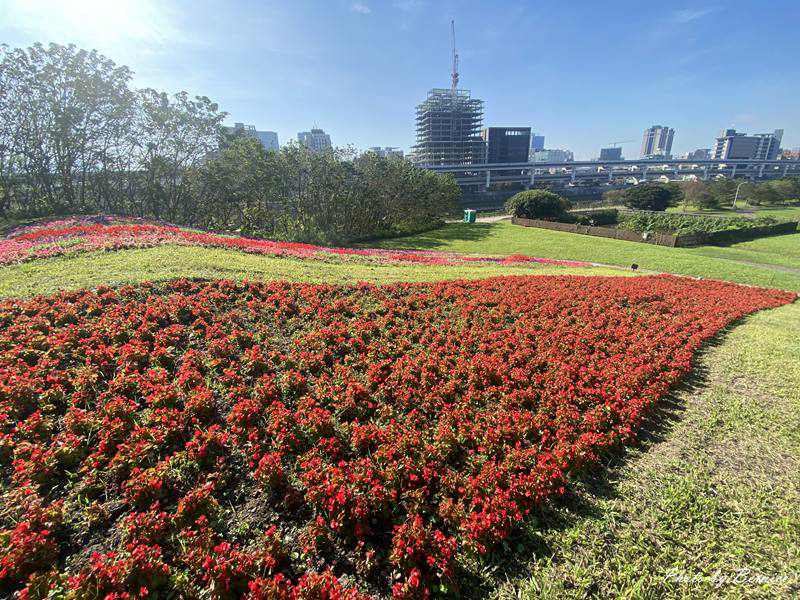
{"x": 454, "y": 75}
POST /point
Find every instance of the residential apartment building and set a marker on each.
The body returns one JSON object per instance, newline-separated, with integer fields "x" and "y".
{"x": 657, "y": 142}
{"x": 733, "y": 145}
{"x": 315, "y": 140}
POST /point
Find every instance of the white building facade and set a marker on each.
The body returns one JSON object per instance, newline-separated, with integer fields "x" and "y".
{"x": 268, "y": 139}
{"x": 657, "y": 142}
{"x": 315, "y": 140}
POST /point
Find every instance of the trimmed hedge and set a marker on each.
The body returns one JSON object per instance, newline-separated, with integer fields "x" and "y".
{"x": 597, "y": 218}
{"x": 688, "y": 224}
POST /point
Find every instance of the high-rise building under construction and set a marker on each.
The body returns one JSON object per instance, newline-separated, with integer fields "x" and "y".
{"x": 449, "y": 125}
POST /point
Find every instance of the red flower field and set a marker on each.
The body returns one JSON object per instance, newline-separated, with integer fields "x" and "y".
{"x": 102, "y": 232}
{"x": 220, "y": 439}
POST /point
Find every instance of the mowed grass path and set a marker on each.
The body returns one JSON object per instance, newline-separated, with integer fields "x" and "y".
{"x": 767, "y": 262}
{"x": 87, "y": 270}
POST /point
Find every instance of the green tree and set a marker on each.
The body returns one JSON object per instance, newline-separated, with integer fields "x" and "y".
{"x": 613, "y": 197}
{"x": 724, "y": 190}
{"x": 64, "y": 112}
{"x": 786, "y": 189}
{"x": 235, "y": 189}
{"x": 538, "y": 204}
{"x": 395, "y": 193}
{"x": 765, "y": 193}
{"x": 697, "y": 193}
{"x": 172, "y": 134}
{"x": 648, "y": 196}
{"x": 795, "y": 183}
{"x": 676, "y": 193}
{"x": 445, "y": 197}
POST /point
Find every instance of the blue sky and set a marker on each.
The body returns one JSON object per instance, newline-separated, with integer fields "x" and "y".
{"x": 583, "y": 73}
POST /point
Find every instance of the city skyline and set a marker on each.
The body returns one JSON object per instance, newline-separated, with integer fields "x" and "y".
{"x": 361, "y": 78}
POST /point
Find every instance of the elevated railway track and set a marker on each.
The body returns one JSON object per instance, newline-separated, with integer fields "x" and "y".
{"x": 483, "y": 176}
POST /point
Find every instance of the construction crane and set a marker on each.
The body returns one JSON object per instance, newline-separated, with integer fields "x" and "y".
{"x": 454, "y": 75}
{"x": 615, "y": 144}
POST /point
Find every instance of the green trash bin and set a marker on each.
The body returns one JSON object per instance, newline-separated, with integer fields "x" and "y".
{"x": 469, "y": 215}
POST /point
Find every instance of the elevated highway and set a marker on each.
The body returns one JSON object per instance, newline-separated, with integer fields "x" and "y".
{"x": 482, "y": 176}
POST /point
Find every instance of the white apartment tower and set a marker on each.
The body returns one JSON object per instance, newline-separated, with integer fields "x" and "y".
{"x": 315, "y": 140}
{"x": 732, "y": 145}
{"x": 657, "y": 141}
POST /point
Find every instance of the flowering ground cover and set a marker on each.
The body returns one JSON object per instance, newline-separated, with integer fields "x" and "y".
{"x": 84, "y": 234}
{"x": 283, "y": 440}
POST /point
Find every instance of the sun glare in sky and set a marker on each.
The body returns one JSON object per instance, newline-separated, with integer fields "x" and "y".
{"x": 102, "y": 24}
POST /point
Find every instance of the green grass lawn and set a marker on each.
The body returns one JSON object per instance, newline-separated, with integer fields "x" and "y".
{"x": 168, "y": 262}
{"x": 780, "y": 212}
{"x": 777, "y": 257}
{"x": 781, "y": 251}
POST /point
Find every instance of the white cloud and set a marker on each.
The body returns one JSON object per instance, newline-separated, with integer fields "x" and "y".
{"x": 687, "y": 15}
{"x": 358, "y": 7}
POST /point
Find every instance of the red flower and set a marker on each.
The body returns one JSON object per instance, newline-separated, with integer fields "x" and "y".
{"x": 276, "y": 440}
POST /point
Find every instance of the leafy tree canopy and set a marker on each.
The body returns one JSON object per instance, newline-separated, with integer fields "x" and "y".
{"x": 538, "y": 204}
{"x": 649, "y": 196}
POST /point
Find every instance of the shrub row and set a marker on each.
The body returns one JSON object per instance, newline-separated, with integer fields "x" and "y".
{"x": 597, "y": 218}
{"x": 687, "y": 224}
{"x": 706, "y": 194}
{"x": 547, "y": 206}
